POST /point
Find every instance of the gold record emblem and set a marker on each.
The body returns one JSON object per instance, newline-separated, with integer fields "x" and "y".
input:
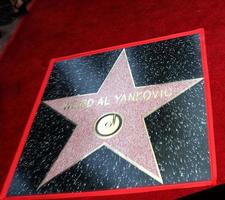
{"x": 108, "y": 125}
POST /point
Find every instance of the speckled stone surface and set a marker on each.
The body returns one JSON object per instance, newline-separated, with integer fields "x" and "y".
{"x": 178, "y": 130}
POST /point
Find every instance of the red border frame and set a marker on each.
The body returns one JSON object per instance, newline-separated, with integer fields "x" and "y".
{"x": 120, "y": 191}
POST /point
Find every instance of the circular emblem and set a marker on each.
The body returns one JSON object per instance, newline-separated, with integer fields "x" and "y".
{"x": 108, "y": 124}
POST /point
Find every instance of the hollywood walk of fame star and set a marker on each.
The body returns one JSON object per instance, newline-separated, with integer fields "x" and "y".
{"x": 114, "y": 117}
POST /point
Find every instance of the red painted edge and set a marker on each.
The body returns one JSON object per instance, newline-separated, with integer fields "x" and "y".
{"x": 128, "y": 190}
{"x": 211, "y": 139}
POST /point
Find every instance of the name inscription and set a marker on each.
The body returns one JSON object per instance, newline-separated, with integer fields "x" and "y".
{"x": 138, "y": 96}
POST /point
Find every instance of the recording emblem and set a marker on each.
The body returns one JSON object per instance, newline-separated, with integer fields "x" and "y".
{"x": 108, "y": 125}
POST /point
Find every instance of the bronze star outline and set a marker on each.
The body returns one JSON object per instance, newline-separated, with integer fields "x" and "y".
{"x": 118, "y": 81}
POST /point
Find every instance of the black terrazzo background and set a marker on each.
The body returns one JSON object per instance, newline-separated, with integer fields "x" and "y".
{"x": 178, "y": 130}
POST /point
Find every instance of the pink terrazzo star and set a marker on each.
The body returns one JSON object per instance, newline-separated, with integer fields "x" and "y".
{"x": 117, "y": 94}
